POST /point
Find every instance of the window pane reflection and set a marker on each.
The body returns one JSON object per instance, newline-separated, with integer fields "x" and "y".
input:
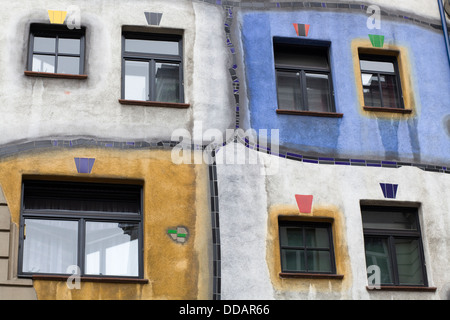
{"x": 377, "y": 253}
{"x": 293, "y": 260}
{"x": 69, "y": 46}
{"x": 318, "y": 92}
{"x": 371, "y": 90}
{"x": 50, "y": 246}
{"x": 42, "y": 44}
{"x": 152, "y": 46}
{"x": 167, "y": 80}
{"x": 136, "y": 80}
{"x": 289, "y": 91}
{"x": 389, "y": 91}
{"x": 112, "y": 249}
{"x": 409, "y": 262}
{"x": 69, "y": 65}
{"x": 43, "y": 63}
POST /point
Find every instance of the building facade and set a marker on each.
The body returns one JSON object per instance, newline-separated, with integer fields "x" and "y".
{"x": 224, "y": 150}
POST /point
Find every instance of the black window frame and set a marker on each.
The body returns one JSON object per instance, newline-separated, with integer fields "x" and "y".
{"x": 56, "y": 31}
{"x": 152, "y": 58}
{"x": 303, "y": 225}
{"x": 313, "y": 44}
{"x": 384, "y": 58}
{"x": 82, "y": 217}
{"x": 390, "y": 235}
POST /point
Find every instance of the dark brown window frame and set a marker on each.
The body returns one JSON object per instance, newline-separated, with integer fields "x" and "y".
{"x": 289, "y": 68}
{"x": 82, "y": 217}
{"x": 392, "y": 234}
{"x": 282, "y": 222}
{"x": 148, "y": 57}
{"x": 388, "y": 57}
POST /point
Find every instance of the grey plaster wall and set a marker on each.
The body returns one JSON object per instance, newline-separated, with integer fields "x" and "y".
{"x": 42, "y": 107}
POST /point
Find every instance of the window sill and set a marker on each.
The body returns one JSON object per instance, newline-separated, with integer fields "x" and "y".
{"x": 385, "y": 109}
{"x": 310, "y": 113}
{"x": 55, "y": 75}
{"x": 154, "y": 104}
{"x": 90, "y": 279}
{"x": 402, "y": 288}
{"x": 311, "y": 275}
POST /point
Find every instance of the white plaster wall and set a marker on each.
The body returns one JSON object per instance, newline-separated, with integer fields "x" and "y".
{"x": 40, "y": 107}
{"x": 246, "y": 214}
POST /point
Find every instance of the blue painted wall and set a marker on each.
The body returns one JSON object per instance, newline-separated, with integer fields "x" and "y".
{"x": 423, "y": 138}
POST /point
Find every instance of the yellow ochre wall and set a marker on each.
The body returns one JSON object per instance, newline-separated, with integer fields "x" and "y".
{"x": 174, "y": 195}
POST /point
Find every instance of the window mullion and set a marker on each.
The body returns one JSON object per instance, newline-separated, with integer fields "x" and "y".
{"x": 56, "y": 53}
{"x": 394, "y": 265}
{"x": 81, "y": 245}
{"x": 152, "y": 81}
{"x": 304, "y": 91}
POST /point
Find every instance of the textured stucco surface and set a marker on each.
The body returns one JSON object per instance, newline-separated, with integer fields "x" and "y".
{"x": 420, "y": 137}
{"x": 42, "y": 107}
{"x": 245, "y": 270}
{"x": 173, "y": 195}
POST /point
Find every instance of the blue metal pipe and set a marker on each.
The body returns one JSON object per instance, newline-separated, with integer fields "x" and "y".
{"x": 444, "y": 27}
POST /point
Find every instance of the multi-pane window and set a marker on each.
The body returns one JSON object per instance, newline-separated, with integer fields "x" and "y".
{"x": 393, "y": 243}
{"x": 56, "y": 49}
{"x": 152, "y": 67}
{"x": 306, "y": 247}
{"x": 381, "y": 81}
{"x": 303, "y": 77}
{"x": 96, "y": 227}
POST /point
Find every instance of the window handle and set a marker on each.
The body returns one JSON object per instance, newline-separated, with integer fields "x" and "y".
{"x": 24, "y": 231}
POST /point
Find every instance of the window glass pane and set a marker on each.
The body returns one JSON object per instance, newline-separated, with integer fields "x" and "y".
{"x": 69, "y": 46}
{"x": 43, "y": 63}
{"x": 409, "y": 262}
{"x": 137, "y": 80}
{"x": 318, "y": 261}
{"x": 71, "y": 196}
{"x": 152, "y": 46}
{"x": 389, "y": 91}
{"x": 371, "y": 90}
{"x": 112, "y": 249}
{"x": 50, "y": 246}
{"x": 293, "y": 260}
{"x": 377, "y": 253}
{"x": 289, "y": 91}
{"x": 301, "y": 56}
{"x": 317, "y": 238}
{"x": 398, "y": 220}
{"x": 44, "y": 44}
{"x": 291, "y": 236}
{"x": 69, "y": 65}
{"x": 318, "y": 92}
{"x": 377, "y": 66}
{"x": 167, "y": 80}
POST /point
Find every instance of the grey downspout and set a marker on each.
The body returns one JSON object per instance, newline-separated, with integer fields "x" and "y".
{"x": 444, "y": 27}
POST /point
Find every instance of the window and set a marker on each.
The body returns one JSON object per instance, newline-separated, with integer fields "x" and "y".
{"x": 56, "y": 49}
{"x": 97, "y": 227}
{"x": 393, "y": 243}
{"x": 152, "y": 68}
{"x": 381, "y": 81}
{"x": 306, "y": 247}
{"x": 303, "y": 77}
